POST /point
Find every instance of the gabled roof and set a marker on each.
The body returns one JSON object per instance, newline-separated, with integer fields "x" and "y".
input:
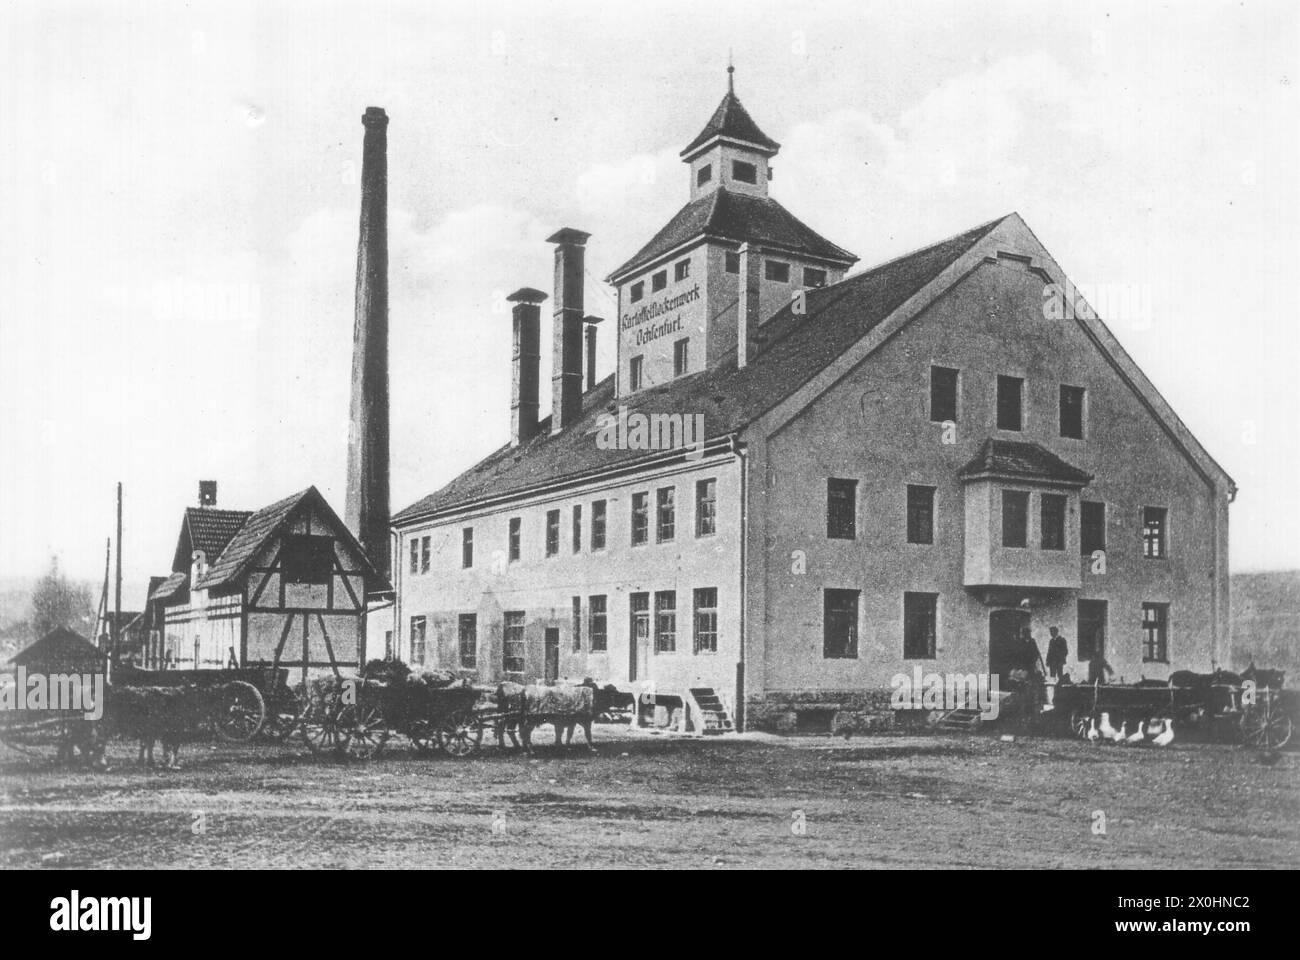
{"x": 61, "y": 648}
{"x": 737, "y": 217}
{"x": 169, "y": 587}
{"x": 207, "y": 529}
{"x": 266, "y": 523}
{"x": 1018, "y": 460}
{"x": 732, "y": 120}
{"x": 793, "y": 349}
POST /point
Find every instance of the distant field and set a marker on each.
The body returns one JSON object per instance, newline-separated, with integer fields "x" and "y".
{"x": 936, "y": 801}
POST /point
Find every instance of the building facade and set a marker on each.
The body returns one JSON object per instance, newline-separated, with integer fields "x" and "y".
{"x": 807, "y": 483}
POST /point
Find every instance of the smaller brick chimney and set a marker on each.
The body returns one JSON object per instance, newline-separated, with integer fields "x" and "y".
{"x": 207, "y": 493}
{"x": 526, "y": 317}
{"x": 566, "y": 333}
{"x": 591, "y": 348}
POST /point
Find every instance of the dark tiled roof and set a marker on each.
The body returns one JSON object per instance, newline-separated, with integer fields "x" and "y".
{"x": 737, "y": 217}
{"x": 266, "y": 523}
{"x": 60, "y": 648}
{"x": 209, "y": 530}
{"x": 731, "y": 119}
{"x": 1029, "y": 461}
{"x": 255, "y": 531}
{"x": 169, "y": 587}
{"x": 793, "y": 350}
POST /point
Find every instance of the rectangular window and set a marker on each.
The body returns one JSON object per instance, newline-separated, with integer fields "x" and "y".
{"x": 920, "y": 514}
{"x": 577, "y": 527}
{"x": 467, "y": 547}
{"x": 1092, "y": 527}
{"x": 776, "y": 270}
{"x": 307, "y": 559}
{"x": 640, "y": 518}
{"x": 814, "y": 277}
{"x": 415, "y": 554}
{"x": 552, "y": 532}
{"x": 577, "y": 623}
{"x": 731, "y": 261}
{"x": 840, "y": 624}
{"x": 943, "y": 395}
{"x": 1153, "y": 532}
{"x": 598, "y": 525}
{"x": 1051, "y": 521}
{"x": 680, "y": 356}
{"x": 634, "y": 373}
{"x": 681, "y": 269}
{"x": 706, "y": 507}
{"x": 426, "y": 552}
{"x": 919, "y": 621}
{"x": 598, "y": 613}
{"x": 706, "y": 620}
{"x": 1072, "y": 412}
{"x": 704, "y": 175}
{"x": 515, "y": 525}
{"x": 417, "y": 639}
{"x": 638, "y": 290}
{"x": 665, "y": 621}
{"x": 1091, "y": 627}
{"x": 744, "y": 172}
{"x": 658, "y": 281}
{"x": 467, "y": 629}
{"x": 841, "y": 509}
{"x": 1155, "y": 633}
{"x": 665, "y": 514}
{"x": 512, "y": 645}
{"x": 1015, "y": 518}
{"x": 1010, "y": 403}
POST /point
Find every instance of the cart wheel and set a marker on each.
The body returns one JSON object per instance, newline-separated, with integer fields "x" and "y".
{"x": 362, "y": 731}
{"x": 239, "y": 711}
{"x": 1265, "y": 729}
{"x": 319, "y": 724}
{"x": 282, "y": 716}
{"x": 424, "y": 735}
{"x": 460, "y": 735}
{"x": 1080, "y": 721}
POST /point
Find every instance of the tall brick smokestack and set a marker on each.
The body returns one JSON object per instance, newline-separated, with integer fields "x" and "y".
{"x": 367, "y": 497}
{"x": 526, "y": 317}
{"x": 566, "y": 337}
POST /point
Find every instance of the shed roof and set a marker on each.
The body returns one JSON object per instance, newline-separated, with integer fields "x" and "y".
{"x": 1018, "y": 459}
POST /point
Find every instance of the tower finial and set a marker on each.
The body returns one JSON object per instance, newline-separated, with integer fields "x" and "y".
{"x": 731, "y": 70}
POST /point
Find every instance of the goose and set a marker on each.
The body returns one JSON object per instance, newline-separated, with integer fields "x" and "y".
{"x": 1121, "y": 735}
{"x": 1140, "y": 735}
{"x": 1167, "y": 736}
{"x": 1093, "y": 733}
{"x": 1106, "y": 729}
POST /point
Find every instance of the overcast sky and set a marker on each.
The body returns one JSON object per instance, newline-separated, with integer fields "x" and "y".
{"x": 178, "y": 215}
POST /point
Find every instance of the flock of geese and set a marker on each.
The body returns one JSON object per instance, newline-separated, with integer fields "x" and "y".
{"x": 1159, "y": 732}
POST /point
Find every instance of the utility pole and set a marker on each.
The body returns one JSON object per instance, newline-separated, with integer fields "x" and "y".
{"x": 117, "y": 590}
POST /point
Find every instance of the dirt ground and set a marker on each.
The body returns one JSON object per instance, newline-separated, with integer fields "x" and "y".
{"x": 946, "y": 800}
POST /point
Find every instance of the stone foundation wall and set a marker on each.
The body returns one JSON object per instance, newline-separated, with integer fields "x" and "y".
{"x": 841, "y": 711}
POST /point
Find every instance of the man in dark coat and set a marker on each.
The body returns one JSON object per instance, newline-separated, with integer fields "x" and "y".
{"x": 1058, "y": 650}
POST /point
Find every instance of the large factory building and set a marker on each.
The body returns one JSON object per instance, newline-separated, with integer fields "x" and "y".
{"x": 798, "y": 484}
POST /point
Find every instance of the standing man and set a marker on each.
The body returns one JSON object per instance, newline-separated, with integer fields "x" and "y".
{"x": 1058, "y": 650}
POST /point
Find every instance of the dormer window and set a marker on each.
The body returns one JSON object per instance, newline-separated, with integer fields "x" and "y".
{"x": 744, "y": 172}
{"x": 814, "y": 277}
{"x": 638, "y": 291}
{"x": 681, "y": 269}
{"x": 658, "y": 281}
{"x": 704, "y": 175}
{"x": 776, "y": 270}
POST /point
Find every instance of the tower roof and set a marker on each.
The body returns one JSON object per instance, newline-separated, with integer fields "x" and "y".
{"x": 732, "y": 121}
